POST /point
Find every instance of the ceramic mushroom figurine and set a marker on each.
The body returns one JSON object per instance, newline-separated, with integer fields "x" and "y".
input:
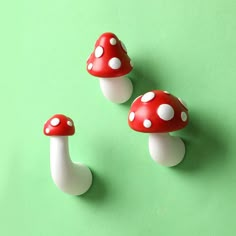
{"x": 110, "y": 63}
{"x": 158, "y": 113}
{"x": 71, "y": 178}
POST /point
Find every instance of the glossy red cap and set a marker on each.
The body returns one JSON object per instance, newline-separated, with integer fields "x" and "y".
{"x": 158, "y": 112}
{"x": 109, "y": 58}
{"x": 59, "y": 125}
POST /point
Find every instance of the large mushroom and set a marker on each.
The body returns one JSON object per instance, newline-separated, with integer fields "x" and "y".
{"x": 110, "y": 62}
{"x": 158, "y": 113}
{"x": 71, "y": 178}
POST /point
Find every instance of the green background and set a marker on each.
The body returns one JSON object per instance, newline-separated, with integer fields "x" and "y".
{"x": 185, "y": 47}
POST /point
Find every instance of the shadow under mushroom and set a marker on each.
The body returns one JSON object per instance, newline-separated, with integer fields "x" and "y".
{"x": 205, "y": 147}
{"x": 97, "y": 192}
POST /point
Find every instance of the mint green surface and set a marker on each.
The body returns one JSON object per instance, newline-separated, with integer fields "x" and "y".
{"x": 185, "y": 47}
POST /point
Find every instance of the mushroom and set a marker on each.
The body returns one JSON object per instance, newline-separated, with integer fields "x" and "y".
{"x": 71, "y": 178}
{"x": 110, "y": 62}
{"x": 158, "y": 112}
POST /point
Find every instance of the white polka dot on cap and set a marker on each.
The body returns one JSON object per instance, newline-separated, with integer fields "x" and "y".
{"x": 165, "y": 112}
{"x": 183, "y": 103}
{"x": 114, "y": 63}
{"x": 69, "y": 123}
{"x": 55, "y": 122}
{"x": 131, "y": 116}
{"x": 147, "y": 123}
{"x": 98, "y": 51}
{"x": 47, "y": 130}
{"x": 113, "y": 41}
{"x": 90, "y": 66}
{"x": 147, "y": 97}
{"x": 123, "y": 46}
{"x": 184, "y": 116}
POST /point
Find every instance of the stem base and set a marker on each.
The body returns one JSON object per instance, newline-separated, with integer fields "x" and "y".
{"x": 72, "y": 178}
{"x": 166, "y": 150}
{"x": 117, "y": 90}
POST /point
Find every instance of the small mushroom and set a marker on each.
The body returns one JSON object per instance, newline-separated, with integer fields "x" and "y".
{"x": 110, "y": 62}
{"x": 158, "y": 113}
{"x": 71, "y": 178}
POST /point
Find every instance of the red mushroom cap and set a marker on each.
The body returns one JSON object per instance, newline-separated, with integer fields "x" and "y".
{"x": 158, "y": 111}
{"x": 109, "y": 58}
{"x": 59, "y": 125}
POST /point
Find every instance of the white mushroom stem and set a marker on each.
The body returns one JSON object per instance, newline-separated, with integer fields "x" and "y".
{"x": 165, "y": 149}
{"x": 71, "y": 178}
{"x": 117, "y": 90}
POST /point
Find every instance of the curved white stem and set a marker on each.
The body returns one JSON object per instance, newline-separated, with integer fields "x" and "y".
{"x": 72, "y": 178}
{"x": 117, "y": 90}
{"x": 165, "y": 149}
